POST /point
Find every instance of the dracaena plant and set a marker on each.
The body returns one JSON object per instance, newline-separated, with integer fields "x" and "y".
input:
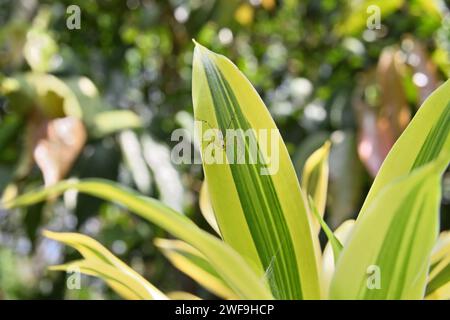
{"x": 267, "y": 225}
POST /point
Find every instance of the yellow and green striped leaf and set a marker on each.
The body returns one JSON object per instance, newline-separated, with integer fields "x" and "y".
{"x": 442, "y": 248}
{"x": 259, "y": 206}
{"x": 315, "y": 179}
{"x": 123, "y": 285}
{"x": 101, "y": 263}
{"x": 388, "y": 253}
{"x": 438, "y": 286}
{"x": 190, "y": 261}
{"x": 231, "y": 266}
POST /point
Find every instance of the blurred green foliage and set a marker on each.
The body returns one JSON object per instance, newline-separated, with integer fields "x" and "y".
{"x": 313, "y": 63}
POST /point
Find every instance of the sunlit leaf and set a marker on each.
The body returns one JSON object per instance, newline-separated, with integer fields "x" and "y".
{"x": 187, "y": 259}
{"x": 99, "y": 262}
{"x": 231, "y": 266}
{"x": 389, "y": 250}
{"x": 124, "y": 285}
{"x": 40, "y": 50}
{"x": 438, "y": 286}
{"x": 442, "y": 247}
{"x": 259, "y": 206}
{"x": 442, "y": 293}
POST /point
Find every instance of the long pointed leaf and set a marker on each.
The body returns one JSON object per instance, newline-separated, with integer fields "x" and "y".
{"x": 258, "y": 204}
{"x": 99, "y": 262}
{"x": 123, "y": 285}
{"x": 188, "y": 260}
{"x": 225, "y": 260}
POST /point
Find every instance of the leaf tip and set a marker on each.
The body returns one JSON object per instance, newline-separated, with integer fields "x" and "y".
{"x": 56, "y": 268}
{"x": 160, "y": 242}
{"x": 327, "y": 145}
{"x": 201, "y": 50}
{"x": 50, "y": 234}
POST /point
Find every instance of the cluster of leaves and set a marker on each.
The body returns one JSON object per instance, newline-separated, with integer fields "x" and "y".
{"x": 268, "y": 244}
{"x": 328, "y": 78}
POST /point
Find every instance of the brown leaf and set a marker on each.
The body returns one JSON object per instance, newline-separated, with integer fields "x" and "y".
{"x": 57, "y": 145}
{"x": 381, "y": 125}
{"x": 394, "y": 112}
{"x": 373, "y": 142}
